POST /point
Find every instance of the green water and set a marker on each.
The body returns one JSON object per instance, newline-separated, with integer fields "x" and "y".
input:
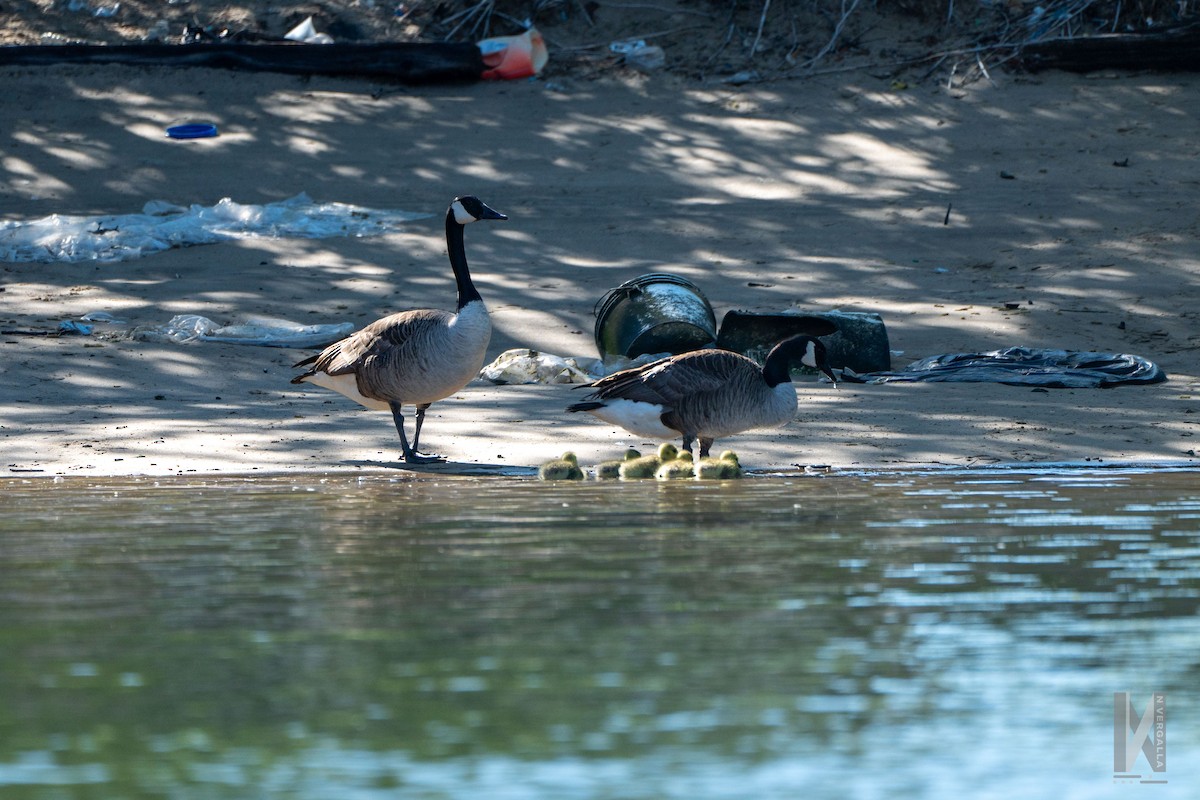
{"x": 864, "y": 636}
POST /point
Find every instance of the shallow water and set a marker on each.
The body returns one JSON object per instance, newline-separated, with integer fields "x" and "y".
{"x": 865, "y": 636}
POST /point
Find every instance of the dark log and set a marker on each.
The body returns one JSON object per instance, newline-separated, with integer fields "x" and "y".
{"x": 402, "y": 62}
{"x": 1175, "y": 49}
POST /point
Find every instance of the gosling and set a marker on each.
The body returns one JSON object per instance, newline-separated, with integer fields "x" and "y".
{"x": 608, "y": 470}
{"x": 565, "y": 468}
{"x": 646, "y": 466}
{"x": 678, "y": 469}
{"x": 727, "y": 467}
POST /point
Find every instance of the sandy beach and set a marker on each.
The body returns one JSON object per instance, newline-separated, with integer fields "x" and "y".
{"x": 1073, "y": 224}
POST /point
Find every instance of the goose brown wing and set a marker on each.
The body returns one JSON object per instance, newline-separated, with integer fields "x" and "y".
{"x": 670, "y": 380}
{"x": 383, "y": 339}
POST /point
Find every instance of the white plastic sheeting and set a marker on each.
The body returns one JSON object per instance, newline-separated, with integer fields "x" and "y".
{"x": 522, "y": 365}
{"x": 261, "y": 331}
{"x": 162, "y": 225}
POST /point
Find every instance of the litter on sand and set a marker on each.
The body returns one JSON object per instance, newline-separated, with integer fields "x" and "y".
{"x": 307, "y": 32}
{"x": 162, "y": 226}
{"x": 1023, "y": 366}
{"x": 261, "y": 331}
{"x": 519, "y": 366}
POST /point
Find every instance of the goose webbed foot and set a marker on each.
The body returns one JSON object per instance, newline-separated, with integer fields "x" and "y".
{"x": 410, "y": 452}
{"x": 413, "y": 457}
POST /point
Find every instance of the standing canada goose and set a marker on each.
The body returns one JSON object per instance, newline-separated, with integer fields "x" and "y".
{"x": 704, "y": 394}
{"x": 414, "y": 357}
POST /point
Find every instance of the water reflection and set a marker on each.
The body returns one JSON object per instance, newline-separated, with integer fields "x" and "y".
{"x": 868, "y": 636}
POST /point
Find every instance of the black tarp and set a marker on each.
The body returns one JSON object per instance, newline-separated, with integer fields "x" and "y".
{"x": 1023, "y": 366}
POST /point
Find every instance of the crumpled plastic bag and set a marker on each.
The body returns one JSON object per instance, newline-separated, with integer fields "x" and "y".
{"x": 261, "y": 331}
{"x": 1023, "y": 366}
{"x": 512, "y": 57}
{"x": 639, "y": 55}
{"x": 529, "y": 366}
{"x": 307, "y": 32}
{"x": 163, "y": 225}
{"x": 522, "y": 365}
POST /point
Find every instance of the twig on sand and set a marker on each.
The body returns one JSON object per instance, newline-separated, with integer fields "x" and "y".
{"x": 762, "y": 20}
{"x": 983, "y": 69}
{"x": 467, "y": 14}
{"x": 586, "y": 14}
{"x": 730, "y": 30}
{"x": 837, "y": 32}
{"x": 652, "y": 35}
{"x": 664, "y": 9}
{"x": 941, "y": 60}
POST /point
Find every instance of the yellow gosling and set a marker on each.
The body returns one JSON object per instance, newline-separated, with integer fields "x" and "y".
{"x": 678, "y": 469}
{"x": 727, "y": 467}
{"x": 608, "y": 470}
{"x": 646, "y": 466}
{"x": 565, "y": 468}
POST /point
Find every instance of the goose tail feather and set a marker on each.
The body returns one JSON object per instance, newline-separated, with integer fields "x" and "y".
{"x": 307, "y": 373}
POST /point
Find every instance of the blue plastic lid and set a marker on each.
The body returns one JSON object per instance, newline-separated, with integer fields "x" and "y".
{"x": 193, "y": 130}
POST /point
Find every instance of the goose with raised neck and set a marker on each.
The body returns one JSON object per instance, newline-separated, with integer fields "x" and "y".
{"x": 414, "y": 357}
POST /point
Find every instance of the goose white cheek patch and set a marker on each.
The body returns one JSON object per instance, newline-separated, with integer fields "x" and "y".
{"x": 461, "y": 215}
{"x": 809, "y": 359}
{"x": 642, "y": 419}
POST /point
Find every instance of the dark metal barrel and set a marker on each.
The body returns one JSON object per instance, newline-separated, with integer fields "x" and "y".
{"x": 653, "y": 313}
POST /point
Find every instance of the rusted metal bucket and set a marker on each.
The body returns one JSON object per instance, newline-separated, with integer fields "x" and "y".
{"x": 653, "y": 313}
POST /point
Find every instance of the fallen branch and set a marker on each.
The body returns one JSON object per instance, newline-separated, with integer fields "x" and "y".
{"x": 762, "y": 20}
{"x": 837, "y": 32}
{"x": 403, "y": 62}
{"x": 1170, "y": 50}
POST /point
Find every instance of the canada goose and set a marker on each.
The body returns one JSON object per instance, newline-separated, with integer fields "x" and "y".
{"x": 704, "y": 394}
{"x": 612, "y": 469}
{"x": 681, "y": 467}
{"x": 564, "y": 468}
{"x": 726, "y": 467}
{"x": 646, "y": 466}
{"x": 414, "y": 357}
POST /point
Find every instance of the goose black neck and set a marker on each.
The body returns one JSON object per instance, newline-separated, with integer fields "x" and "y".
{"x": 467, "y": 293}
{"x": 778, "y": 367}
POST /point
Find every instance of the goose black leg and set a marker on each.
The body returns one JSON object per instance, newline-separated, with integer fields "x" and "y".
{"x": 417, "y": 433}
{"x": 411, "y": 456}
{"x": 687, "y": 443}
{"x": 705, "y": 446}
